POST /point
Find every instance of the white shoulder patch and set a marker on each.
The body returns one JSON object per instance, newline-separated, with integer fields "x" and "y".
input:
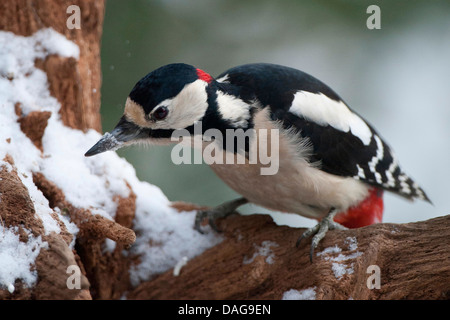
{"x": 223, "y": 79}
{"x": 233, "y": 109}
{"x": 324, "y": 111}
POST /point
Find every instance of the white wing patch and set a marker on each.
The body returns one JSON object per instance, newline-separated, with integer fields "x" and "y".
{"x": 324, "y": 111}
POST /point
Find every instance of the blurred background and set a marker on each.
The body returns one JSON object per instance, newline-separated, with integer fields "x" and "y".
{"x": 398, "y": 77}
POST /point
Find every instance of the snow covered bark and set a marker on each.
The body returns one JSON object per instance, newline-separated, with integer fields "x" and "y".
{"x": 42, "y": 74}
{"x": 74, "y": 80}
{"x": 71, "y": 227}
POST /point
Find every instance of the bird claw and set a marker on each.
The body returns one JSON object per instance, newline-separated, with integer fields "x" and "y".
{"x": 319, "y": 231}
{"x": 220, "y": 211}
{"x": 211, "y": 215}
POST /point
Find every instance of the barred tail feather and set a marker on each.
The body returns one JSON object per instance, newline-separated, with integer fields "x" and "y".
{"x": 409, "y": 189}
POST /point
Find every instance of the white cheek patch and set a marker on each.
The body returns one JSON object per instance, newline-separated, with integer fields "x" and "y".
{"x": 233, "y": 109}
{"x": 186, "y": 108}
{"x": 324, "y": 111}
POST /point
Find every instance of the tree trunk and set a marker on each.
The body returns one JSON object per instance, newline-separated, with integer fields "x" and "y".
{"x": 46, "y": 233}
{"x": 75, "y": 83}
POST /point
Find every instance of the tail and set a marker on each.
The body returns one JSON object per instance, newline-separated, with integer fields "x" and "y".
{"x": 370, "y": 210}
{"x": 408, "y": 188}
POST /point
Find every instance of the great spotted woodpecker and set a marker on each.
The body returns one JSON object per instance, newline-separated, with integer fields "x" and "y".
{"x": 333, "y": 165}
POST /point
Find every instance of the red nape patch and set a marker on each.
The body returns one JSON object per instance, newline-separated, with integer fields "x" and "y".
{"x": 202, "y": 75}
{"x": 368, "y": 212}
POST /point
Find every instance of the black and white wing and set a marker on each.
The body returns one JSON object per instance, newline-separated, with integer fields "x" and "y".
{"x": 343, "y": 143}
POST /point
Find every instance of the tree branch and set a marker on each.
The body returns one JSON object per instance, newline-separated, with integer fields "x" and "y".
{"x": 259, "y": 260}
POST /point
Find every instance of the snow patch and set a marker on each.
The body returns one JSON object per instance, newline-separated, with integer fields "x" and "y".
{"x": 163, "y": 235}
{"x": 17, "y": 257}
{"x": 109, "y": 246}
{"x": 179, "y": 265}
{"x": 305, "y": 294}
{"x": 71, "y": 227}
{"x": 21, "y": 82}
{"x": 51, "y": 42}
{"x": 352, "y": 243}
{"x": 263, "y": 250}
{"x": 334, "y": 255}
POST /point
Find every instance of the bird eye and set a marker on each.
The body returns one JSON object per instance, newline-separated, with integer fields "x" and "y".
{"x": 160, "y": 113}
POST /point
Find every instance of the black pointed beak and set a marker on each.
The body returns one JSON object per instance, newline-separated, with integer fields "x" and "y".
{"x": 123, "y": 134}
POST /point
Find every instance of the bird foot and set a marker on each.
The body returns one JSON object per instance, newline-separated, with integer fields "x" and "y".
{"x": 221, "y": 211}
{"x": 319, "y": 231}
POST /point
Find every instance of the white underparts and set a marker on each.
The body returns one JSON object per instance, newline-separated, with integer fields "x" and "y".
{"x": 298, "y": 186}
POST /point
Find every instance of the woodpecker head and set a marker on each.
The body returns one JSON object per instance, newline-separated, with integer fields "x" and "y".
{"x": 169, "y": 98}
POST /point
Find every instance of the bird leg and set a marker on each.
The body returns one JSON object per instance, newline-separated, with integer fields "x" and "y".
{"x": 221, "y": 211}
{"x": 319, "y": 231}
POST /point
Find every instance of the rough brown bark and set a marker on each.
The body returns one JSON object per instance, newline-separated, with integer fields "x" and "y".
{"x": 17, "y": 210}
{"x": 413, "y": 259}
